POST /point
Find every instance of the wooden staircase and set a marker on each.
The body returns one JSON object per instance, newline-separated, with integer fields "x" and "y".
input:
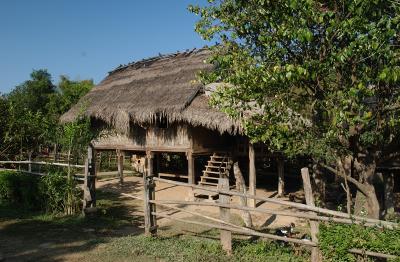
{"x": 218, "y": 166}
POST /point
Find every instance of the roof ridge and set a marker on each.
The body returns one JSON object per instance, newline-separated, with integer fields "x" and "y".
{"x": 149, "y": 60}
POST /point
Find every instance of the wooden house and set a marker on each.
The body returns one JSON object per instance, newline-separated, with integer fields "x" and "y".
{"x": 158, "y": 105}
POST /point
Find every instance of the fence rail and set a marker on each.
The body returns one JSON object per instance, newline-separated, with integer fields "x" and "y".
{"x": 311, "y": 213}
{"x": 42, "y": 163}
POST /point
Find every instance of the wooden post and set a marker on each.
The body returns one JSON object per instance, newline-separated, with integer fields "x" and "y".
{"x": 225, "y": 215}
{"x": 30, "y": 159}
{"x": 252, "y": 175}
{"x": 89, "y": 186}
{"x": 191, "y": 178}
{"x": 120, "y": 163}
{"x": 191, "y": 174}
{"x": 150, "y": 221}
{"x": 281, "y": 177}
{"x": 314, "y": 226}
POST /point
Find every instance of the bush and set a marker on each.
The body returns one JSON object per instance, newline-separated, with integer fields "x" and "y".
{"x": 335, "y": 241}
{"x": 19, "y": 190}
{"x": 60, "y": 195}
{"x": 52, "y": 193}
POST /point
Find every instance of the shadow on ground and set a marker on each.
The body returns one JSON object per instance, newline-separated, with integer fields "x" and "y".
{"x": 28, "y": 236}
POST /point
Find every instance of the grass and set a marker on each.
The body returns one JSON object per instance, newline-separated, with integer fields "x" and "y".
{"x": 188, "y": 248}
{"x": 114, "y": 233}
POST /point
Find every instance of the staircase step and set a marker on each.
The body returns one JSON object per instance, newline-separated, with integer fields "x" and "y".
{"x": 208, "y": 177}
{"x": 220, "y": 157}
{"x": 222, "y": 167}
{"x": 217, "y": 162}
{"x": 212, "y": 172}
{"x": 208, "y": 184}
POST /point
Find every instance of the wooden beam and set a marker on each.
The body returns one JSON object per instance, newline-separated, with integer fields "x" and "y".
{"x": 252, "y": 175}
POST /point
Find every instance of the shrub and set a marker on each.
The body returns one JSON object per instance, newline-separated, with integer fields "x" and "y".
{"x": 52, "y": 193}
{"x": 335, "y": 241}
{"x": 60, "y": 195}
{"x": 19, "y": 190}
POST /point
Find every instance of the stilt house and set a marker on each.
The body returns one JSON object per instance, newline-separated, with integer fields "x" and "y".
{"x": 157, "y": 105}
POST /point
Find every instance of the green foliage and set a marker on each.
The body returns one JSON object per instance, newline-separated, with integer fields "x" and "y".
{"x": 49, "y": 193}
{"x": 59, "y": 194}
{"x": 195, "y": 249}
{"x": 19, "y": 190}
{"x": 310, "y": 77}
{"x": 335, "y": 240}
{"x": 31, "y": 112}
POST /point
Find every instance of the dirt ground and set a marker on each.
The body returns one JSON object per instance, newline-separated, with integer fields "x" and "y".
{"x": 133, "y": 185}
{"x": 41, "y": 238}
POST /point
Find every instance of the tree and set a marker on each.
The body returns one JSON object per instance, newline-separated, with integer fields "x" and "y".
{"x": 316, "y": 78}
{"x": 4, "y": 113}
{"x": 28, "y": 122}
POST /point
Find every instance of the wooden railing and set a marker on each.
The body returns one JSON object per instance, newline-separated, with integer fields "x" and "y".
{"x": 29, "y": 164}
{"x": 305, "y": 211}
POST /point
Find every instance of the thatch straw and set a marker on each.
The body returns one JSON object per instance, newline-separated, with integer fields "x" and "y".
{"x": 143, "y": 91}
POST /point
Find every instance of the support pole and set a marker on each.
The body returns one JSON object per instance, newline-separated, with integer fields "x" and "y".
{"x": 281, "y": 177}
{"x": 225, "y": 215}
{"x": 314, "y": 226}
{"x": 252, "y": 175}
{"x": 89, "y": 187}
{"x": 150, "y": 221}
{"x": 191, "y": 178}
{"x": 191, "y": 174}
{"x": 120, "y": 163}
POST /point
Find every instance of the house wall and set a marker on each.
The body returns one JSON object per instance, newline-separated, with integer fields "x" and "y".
{"x": 205, "y": 140}
{"x": 174, "y": 138}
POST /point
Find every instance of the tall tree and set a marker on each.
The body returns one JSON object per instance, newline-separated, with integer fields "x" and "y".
{"x": 318, "y": 78}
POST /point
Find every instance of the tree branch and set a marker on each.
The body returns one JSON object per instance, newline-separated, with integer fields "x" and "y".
{"x": 358, "y": 184}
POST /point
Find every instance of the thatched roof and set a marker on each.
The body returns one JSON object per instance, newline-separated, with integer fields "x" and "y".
{"x": 163, "y": 86}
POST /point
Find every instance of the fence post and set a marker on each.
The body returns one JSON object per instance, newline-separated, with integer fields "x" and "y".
{"x": 30, "y": 160}
{"x": 120, "y": 164}
{"x": 150, "y": 220}
{"x": 314, "y": 226}
{"x": 89, "y": 186}
{"x": 225, "y": 215}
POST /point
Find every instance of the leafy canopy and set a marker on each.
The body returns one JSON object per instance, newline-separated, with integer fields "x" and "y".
{"x": 308, "y": 77}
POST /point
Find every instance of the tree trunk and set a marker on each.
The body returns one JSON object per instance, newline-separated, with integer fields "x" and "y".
{"x": 241, "y": 187}
{"x": 366, "y": 200}
{"x": 319, "y": 182}
{"x": 389, "y": 203}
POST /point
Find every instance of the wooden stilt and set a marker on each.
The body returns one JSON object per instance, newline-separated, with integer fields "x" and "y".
{"x": 150, "y": 221}
{"x": 252, "y": 175}
{"x": 191, "y": 174}
{"x": 281, "y": 177}
{"x": 120, "y": 164}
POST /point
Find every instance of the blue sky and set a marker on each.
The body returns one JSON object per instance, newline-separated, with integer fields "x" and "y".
{"x": 84, "y": 39}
